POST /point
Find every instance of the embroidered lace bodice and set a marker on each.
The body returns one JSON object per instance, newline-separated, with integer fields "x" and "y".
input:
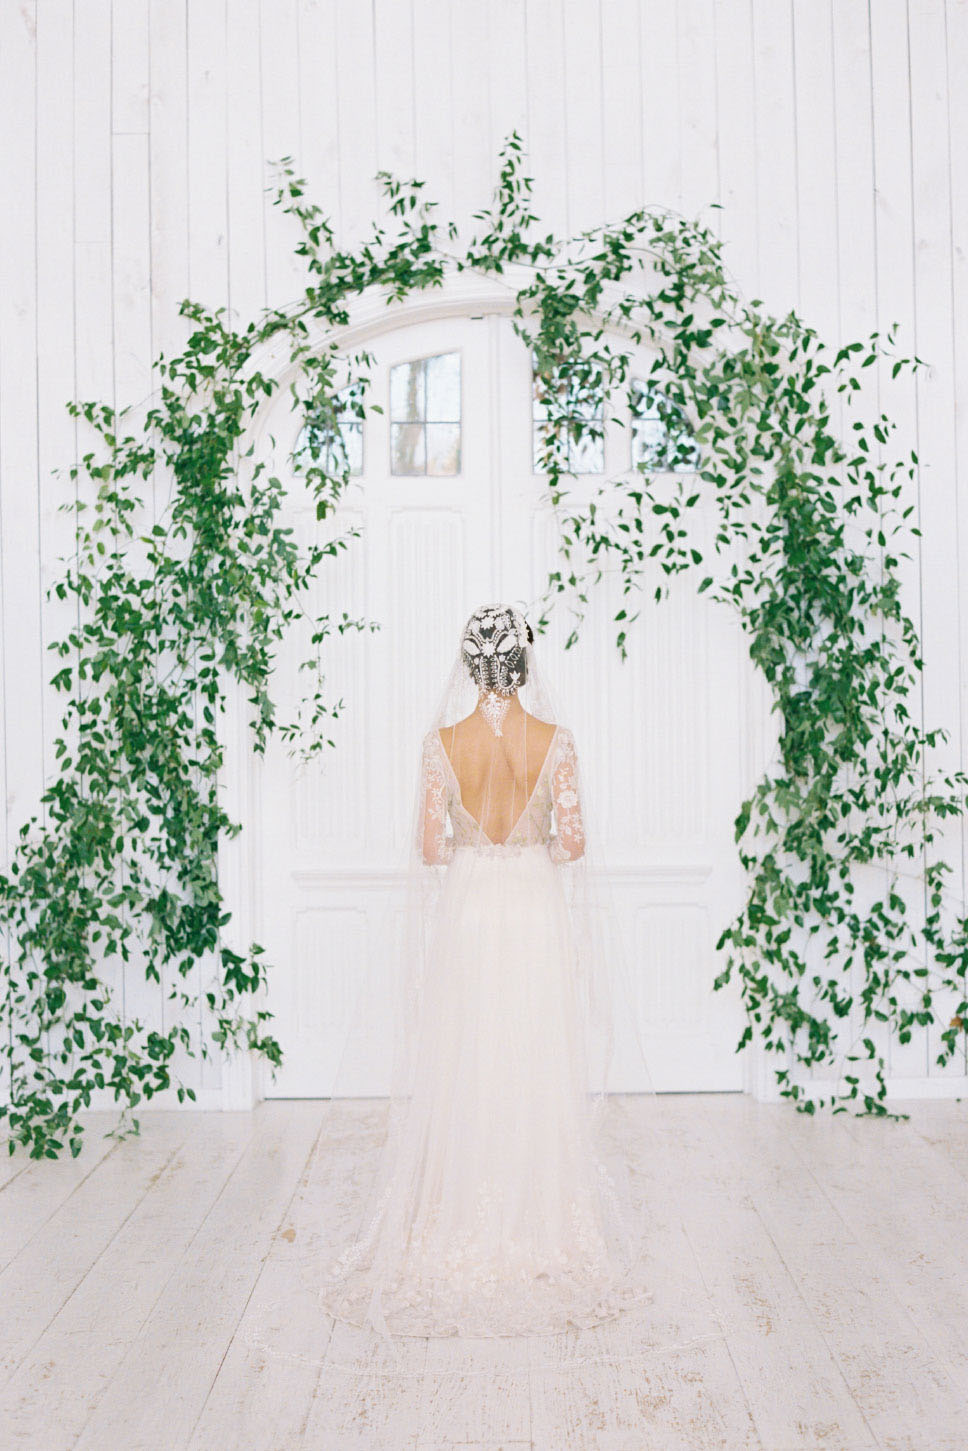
{"x": 552, "y": 816}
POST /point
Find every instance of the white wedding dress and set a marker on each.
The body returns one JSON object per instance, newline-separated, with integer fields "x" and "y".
{"x": 496, "y": 1211}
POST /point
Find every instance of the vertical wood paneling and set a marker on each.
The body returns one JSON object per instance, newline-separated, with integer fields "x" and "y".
{"x": 659, "y": 89}
{"x": 507, "y": 73}
{"x": 393, "y": 69}
{"x": 137, "y": 169}
{"x": 546, "y": 133}
{"x": 56, "y": 435}
{"x": 894, "y": 267}
{"x": 816, "y": 167}
{"x": 95, "y": 338}
{"x": 130, "y": 273}
{"x": 207, "y": 128}
{"x": 932, "y": 246}
{"x": 281, "y": 136}
{"x": 131, "y": 300}
{"x": 582, "y": 89}
{"x": 736, "y": 135}
{"x": 359, "y": 155}
{"x": 168, "y": 121}
{"x": 132, "y": 309}
{"x": 436, "y": 104}
{"x": 473, "y": 160}
{"x": 55, "y": 322}
{"x": 131, "y": 265}
{"x": 130, "y": 50}
{"x": 245, "y": 168}
{"x": 168, "y": 163}
{"x": 856, "y": 246}
{"x": 206, "y": 145}
{"x": 695, "y": 47}
{"x": 776, "y": 154}
{"x": 956, "y": 22}
{"x": 93, "y": 186}
{"x": 621, "y": 111}
{"x": 856, "y": 260}
{"x": 318, "y": 105}
{"x": 22, "y": 634}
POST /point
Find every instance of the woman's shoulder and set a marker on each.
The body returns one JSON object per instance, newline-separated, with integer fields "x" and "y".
{"x": 564, "y": 745}
{"x": 431, "y": 746}
{"x": 541, "y": 730}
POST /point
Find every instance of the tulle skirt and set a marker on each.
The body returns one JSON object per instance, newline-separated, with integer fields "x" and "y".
{"x": 495, "y": 1210}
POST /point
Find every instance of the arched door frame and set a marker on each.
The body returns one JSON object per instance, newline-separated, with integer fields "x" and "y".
{"x": 373, "y": 314}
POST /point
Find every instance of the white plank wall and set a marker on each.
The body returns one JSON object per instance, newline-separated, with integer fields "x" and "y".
{"x": 134, "y": 142}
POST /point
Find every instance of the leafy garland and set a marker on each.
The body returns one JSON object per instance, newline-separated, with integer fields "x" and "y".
{"x": 125, "y": 860}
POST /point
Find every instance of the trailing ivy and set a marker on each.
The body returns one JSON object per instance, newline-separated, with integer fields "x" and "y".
{"x": 123, "y": 867}
{"x": 807, "y": 550}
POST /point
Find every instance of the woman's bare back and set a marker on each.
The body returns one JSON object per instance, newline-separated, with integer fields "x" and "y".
{"x": 497, "y": 775}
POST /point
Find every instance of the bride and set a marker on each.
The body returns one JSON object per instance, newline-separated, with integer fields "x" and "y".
{"x": 496, "y": 1207}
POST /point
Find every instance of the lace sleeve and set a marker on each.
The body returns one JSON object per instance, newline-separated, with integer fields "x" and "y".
{"x": 433, "y": 843}
{"x": 569, "y": 839}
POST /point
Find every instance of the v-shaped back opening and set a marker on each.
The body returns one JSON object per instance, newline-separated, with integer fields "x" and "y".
{"x": 531, "y": 795}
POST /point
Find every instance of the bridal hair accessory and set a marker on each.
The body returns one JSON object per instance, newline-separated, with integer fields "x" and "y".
{"x": 494, "y": 708}
{"x": 493, "y": 649}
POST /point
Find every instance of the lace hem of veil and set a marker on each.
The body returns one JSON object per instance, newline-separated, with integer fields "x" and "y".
{"x": 431, "y": 1284}
{"x": 500, "y": 1303}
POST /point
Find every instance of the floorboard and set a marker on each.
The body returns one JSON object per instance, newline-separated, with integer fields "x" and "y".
{"x": 157, "y": 1293}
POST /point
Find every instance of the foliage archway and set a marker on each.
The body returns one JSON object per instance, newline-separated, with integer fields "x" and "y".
{"x": 810, "y": 532}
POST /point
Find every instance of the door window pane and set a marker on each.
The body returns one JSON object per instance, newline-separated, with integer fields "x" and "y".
{"x": 660, "y": 432}
{"x": 407, "y": 454}
{"x": 582, "y": 455}
{"x": 443, "y": 388}
{"x": 407, "y": 392}
{"x": 443, "y": 448}
{"x": 425, "y": 415}
{"x": 332, "y": 439}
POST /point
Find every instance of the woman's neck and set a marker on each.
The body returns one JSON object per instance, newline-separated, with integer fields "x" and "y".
{"x": 495, "y": 707}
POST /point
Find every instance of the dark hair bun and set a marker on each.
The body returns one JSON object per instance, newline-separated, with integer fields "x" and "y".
{"x": 493, "y": 647}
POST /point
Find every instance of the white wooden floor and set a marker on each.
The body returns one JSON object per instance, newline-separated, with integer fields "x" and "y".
{"x": 810, "y": 1292}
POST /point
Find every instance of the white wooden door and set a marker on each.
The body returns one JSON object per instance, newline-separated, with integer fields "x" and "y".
{"x": 660, "y": 735}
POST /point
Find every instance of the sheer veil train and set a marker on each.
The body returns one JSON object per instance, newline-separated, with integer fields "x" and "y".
{"x": 493, "y": 1187}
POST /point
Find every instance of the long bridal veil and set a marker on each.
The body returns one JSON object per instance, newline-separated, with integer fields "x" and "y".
{"x": 483, "y": 1167}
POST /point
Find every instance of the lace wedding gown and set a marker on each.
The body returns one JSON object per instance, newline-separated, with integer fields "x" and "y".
{"x": 497, "y": 1212}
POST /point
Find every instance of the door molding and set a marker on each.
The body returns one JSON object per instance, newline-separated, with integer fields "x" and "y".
{"x": 376, "y": 312}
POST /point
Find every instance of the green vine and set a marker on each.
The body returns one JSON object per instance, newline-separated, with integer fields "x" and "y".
{"x": 175, "y": 608}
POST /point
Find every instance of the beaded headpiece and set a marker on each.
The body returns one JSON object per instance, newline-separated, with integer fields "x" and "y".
{"x": 493, "y": 649}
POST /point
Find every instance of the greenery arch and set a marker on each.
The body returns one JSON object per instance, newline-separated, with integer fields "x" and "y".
{"x": 126, "y": 858}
